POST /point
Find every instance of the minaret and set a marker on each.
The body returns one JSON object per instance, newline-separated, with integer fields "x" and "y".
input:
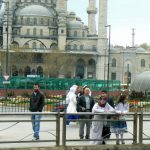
{"x": 61, "y": 8}
{"x": 133, "y": 37}
{"x": 102, "y": 47}
{"x": 7, "y": 26}
{"x": 91, "y": 17}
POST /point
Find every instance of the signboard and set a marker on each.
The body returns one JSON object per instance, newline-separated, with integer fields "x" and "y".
{"x": 6, "y": 77}
{"x": 6, "y": 82}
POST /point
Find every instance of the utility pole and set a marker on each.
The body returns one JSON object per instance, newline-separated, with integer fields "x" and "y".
{"x": 108, "y": 69}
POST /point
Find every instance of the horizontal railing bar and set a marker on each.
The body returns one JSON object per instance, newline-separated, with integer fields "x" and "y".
{"x": 29, "y": 141}
{"x": 2, "y": 121}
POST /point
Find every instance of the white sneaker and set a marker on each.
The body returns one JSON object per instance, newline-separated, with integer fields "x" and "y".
{"x": 35, "y": 139}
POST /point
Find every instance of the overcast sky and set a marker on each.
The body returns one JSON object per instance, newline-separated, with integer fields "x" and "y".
{"x": 123, "y": 15}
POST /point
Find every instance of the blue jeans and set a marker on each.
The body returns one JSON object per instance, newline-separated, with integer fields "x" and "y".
{"x": 71, "y": 117}
{"x": 36, "y": 125}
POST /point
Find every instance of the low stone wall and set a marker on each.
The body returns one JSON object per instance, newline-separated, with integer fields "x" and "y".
{"x": 98, "y": 147}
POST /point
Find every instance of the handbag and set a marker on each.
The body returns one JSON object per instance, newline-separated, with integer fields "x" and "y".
{"x": 106, "y": 132}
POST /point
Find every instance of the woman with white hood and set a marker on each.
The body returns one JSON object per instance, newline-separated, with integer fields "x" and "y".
{"x": 72, "y": 103}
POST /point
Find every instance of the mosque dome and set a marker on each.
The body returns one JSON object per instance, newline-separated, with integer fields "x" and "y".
{"x": 34, "y": 10}
{"x": 142, "y": 82}
{"x": 75, "y": 24}
{"x": 140, "y": 49}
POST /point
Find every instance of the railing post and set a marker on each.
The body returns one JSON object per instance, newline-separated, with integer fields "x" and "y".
{"x": 135, "y": 128}
{"x": 64, "y": 130}
{"x": 141, "y": 128}
{"x": 58, "y": 129}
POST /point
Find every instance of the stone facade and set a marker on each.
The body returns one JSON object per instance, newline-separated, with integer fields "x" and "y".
{"x": 40, "y": 37}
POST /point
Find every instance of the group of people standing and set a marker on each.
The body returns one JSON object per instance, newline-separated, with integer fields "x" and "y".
{"x": 80, "y": 99}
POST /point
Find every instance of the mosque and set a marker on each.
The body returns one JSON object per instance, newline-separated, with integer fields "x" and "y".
{"x": 41, "y": 38}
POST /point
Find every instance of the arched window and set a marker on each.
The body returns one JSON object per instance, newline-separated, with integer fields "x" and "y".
{"x": 53, "y": 46}
{"x": 113, "y": 76}
{"x": 42, "y": 21}
{"x": 142, "y": 62}
{"x": 28, "y": 31}
{"x": 80, "y": 68}
{"x": 27, "y": 70}
{"x": 28, "y": 21}
{"x": 34, "y": 31}
{"x": 15, "y": 44}
{"x": 34, "y": 45}
{"x": 113, "y": 62}
{"x": 75, "y": 33}
{"x": 75, "y": 47}
{"x": 83, "y": 34}
{"x": 42, "y": 46}
{"x": 41, "y": 32}
{"x": 94, "y": 47}
{"x": 26, "y": 45}
{"x": 40, "y": 71}
{"x": 81, "y": 47}
{"x": 21, "y": 20}
{"x": 91, "y": 69}
{"x": 35, "y": 21}
{"x": 68, "y": 47}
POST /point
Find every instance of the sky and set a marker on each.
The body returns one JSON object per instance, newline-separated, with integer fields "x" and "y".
{"x": 123, "y": 16}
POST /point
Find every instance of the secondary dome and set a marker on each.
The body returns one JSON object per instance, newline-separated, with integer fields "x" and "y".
{"x": 75, "y": 24}
{"x": 140, "y": 49}
{"x": 141, "y": 83}
{"x": 34, "y": 10}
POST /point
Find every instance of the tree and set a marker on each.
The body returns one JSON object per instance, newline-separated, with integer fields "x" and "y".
{"x": 145, "y": 46}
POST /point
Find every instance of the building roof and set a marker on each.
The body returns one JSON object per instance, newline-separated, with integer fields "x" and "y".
{"x": 140, "y": 49}
{"x": 34, "y": 10}
{"x": 141, "y": 82}
{"x": 75, "y": 24}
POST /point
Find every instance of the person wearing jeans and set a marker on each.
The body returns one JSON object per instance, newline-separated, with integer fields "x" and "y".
{"x": 36, "y": 125}
{"x": 36, "y": 105}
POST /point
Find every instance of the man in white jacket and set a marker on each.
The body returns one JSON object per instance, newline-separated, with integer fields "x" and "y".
{"x": 72, "y": 103}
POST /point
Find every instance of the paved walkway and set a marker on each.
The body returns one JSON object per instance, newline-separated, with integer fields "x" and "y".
{"x": 22, "y": 131}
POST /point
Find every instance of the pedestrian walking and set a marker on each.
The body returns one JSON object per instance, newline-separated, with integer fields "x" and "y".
{"x": 36, "y": 105}
{"x": 72, "y": 103}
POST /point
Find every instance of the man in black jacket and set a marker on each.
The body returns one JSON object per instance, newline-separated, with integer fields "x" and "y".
{"x": 85, "y": 104}
{"x": 36, "y": 105}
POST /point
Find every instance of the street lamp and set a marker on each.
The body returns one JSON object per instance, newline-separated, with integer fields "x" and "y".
{"x": 7, "y": 32}
{"x": 108, "y": 68}
{"x": 7, "y": 35}
{"x": 6, "y": 76}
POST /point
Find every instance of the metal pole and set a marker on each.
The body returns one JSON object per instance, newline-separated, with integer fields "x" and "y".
{"x": 64, "y": 130}
{"x": 7, "y": 51}
{"x": 135, "y": 128}
{"x": 58, "y": 129}
{"x": 109, "y": 27}
{"x": 7, "y": 48}
{"x": 141, "y": 128}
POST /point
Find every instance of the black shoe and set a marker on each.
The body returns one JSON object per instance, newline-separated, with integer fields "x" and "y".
{"x": 81, "y": 137}
{"x": 87, "y": 137}
{"x": 103, "y": 143}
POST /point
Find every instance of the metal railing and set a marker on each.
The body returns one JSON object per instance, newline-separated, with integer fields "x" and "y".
{"x": 54, "y": 129}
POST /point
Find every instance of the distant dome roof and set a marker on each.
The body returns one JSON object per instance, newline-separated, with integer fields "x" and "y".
{"x": 142, "y": 82}
{"x": 34, "y": 10}
{"x": 140, "y": 49}
{"x": 75, "y": 24}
